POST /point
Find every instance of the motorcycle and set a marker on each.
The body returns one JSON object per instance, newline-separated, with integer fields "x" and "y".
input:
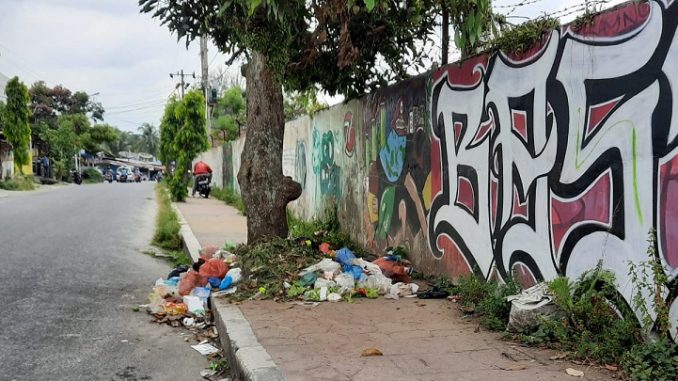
{"x": 122, "y": 178}
{"x": 202, "y": 185}
{"x": 77, "y": 177}
{"x": 108, "y": 177}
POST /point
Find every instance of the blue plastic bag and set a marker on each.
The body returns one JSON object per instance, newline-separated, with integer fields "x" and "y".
{"x": 214, "y": 282}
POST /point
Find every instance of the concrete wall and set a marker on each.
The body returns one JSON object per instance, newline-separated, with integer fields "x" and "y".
{"x": 215, "y": 159}
{"x": 536, "y": 164}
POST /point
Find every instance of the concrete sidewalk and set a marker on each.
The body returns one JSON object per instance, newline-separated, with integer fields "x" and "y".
{"x": 213, "y": 222}
{"x": 419, "y": 339}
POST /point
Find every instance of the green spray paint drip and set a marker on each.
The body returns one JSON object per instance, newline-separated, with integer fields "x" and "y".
{"x": 636, "y": 194}
{"x": 634, "y": 151}
{"x": 382, "y": 125}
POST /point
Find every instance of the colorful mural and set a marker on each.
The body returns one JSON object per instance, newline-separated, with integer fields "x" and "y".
{"x": 536, "y": 164}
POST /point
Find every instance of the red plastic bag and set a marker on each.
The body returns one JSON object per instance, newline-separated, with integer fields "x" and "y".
{"x": 207, "y": 252}
{"x": 214, "y": 268}
{"x": 394, "y": 270}
{"x": 192, "y": 280}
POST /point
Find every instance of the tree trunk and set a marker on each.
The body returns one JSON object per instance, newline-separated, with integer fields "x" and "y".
{"x": 265, "y": 191}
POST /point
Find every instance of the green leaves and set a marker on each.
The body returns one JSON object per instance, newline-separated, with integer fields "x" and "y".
{"x": 252, "y": 6}
{"x": 15, "y": 121}
{"x": 370, "y": 4}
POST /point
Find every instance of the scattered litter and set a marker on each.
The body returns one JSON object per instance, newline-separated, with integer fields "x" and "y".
{"x": 232, "y": 277}
{"x": 559, "y": 356}
{"x": 529, "y": 307}
{"x": 612, "y": 368}
{"x": 574, "y": 372}
{"x": 207, "y": 373}
{"x": 333, "y": 297}
{"x": 326, "y": 264}
{"x": 227, "y": 291}
{"x": 205, "y": 348}
{"x": 371, "y": 352}
{"x": 124, "y": 341}
{"x": 214, "y": 267}
{"x": 307, "y": 304}
{"x": 195, "y": 304}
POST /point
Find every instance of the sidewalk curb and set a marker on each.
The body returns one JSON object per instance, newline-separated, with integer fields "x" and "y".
{"x": 191, "y": 243}
{"x": 249, "y": 359}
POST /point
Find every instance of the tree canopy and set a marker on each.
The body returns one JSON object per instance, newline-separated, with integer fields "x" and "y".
{"x": 15, "y": 117}
{"x": 343, "y": 46}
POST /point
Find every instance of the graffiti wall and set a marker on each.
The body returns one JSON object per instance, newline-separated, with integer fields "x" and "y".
{"x": 536, "y": 164}
{"x": 563, "y": 156}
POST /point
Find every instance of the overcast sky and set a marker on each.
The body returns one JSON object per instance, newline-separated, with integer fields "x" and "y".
{"x": 108, "y": 47}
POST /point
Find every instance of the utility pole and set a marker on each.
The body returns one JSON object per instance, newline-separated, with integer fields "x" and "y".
{"x": 181, "y": 76}
{"x": 205, "y": 81}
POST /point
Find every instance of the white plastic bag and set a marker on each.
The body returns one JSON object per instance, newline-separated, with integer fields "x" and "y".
{"x": 325, "y": 265}
{"x": 345, "y": 280}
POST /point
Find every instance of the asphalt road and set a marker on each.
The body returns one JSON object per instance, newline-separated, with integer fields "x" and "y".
{"x": 71, "y": 270}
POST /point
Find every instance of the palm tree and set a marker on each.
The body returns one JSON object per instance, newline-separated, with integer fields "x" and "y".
{"x": 150, "y": 139}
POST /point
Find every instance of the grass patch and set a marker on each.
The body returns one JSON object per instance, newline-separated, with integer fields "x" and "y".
{"x": 324, "y": 229}
{"x": 167, "y": 222}
{"x": 230, "y": 197}
{"x": 92, "y": 176}
{"x": 19, "y": 183}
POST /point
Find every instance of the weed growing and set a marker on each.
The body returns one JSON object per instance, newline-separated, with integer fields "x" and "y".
{"x": 325, "y": 229}
{"x": 19, "y": 183}
{"x": 268, "y": 264}
{"x": 91, "y": 176}
{"x": 486, "y": 300}
{"x": 167, "y": 222}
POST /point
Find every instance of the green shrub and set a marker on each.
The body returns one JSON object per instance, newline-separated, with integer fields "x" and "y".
{"x": 325, "y": 229}
{"x": 167, "y": 222}
{"x": 652, "y": 361}
{"x": 92, "y": 175}
{"x": 597, "y": 324}
{"x": 486, "y": 299}
{"x": 19, "y": 183}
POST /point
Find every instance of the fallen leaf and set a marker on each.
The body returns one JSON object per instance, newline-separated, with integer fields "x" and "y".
{"x": 612, "y": 368}
{"x": 574, "y": 372}
{"x": 371, "y": 352}
{"x": 559, "y": 356}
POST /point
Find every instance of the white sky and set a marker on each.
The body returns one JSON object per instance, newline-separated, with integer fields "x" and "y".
{"x": 107, "y": 46}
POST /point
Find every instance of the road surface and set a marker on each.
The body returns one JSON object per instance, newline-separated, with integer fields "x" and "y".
{"x": 71, "y": 270}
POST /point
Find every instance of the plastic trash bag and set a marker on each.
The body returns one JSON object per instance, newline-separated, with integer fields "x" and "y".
{"x": 322, "y": 282}
{"x": 214, "y": 268}
{"x": 396, "y": 270}
{"x": 232, "y": 277}
{"x": 192, "y": 280}
{"x": 325, "y": 265}
{"x": 194, "y": 304}
{"x": 529, "y": 307}
{"x": 345, "y": 280}
{"x": 377, "y": 281}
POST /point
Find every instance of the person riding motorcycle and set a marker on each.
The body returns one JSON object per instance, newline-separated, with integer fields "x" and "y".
{"x": 201, "y": 170}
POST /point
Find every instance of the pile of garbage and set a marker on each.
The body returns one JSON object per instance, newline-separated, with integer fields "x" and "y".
{"x": 295, "y": 270}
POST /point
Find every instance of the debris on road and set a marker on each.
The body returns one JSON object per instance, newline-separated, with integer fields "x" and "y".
{"x": 574, "y": 372}
{"x": 205, "y": 348}
{"x": 529, "y": 308}
{"x": 371, "y": 352}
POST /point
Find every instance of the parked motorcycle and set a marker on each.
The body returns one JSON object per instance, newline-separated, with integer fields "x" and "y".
{"x": 202, "y": 184}
{"x": 77, "y": 177}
